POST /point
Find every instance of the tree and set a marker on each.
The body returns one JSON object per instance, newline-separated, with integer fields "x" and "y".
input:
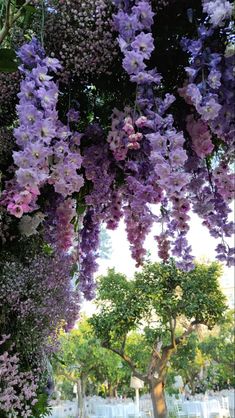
{"x": 189, "y": 361}
{"x": 219, "y": 348}
{"x": 157, "y": 300}
{"x": 82, "y": 358}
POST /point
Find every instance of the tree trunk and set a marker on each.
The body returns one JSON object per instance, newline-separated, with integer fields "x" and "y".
{"x": 81, "y": 398}
{"x": 158, "y": 399}
{"x": 193, "y": 386}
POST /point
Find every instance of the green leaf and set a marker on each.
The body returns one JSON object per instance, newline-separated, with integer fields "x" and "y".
{"x": 81, "y": 209}
{"x": 47, "y": 249}
{"x": 29, "y": 11}
{"x": 8, "y": 60}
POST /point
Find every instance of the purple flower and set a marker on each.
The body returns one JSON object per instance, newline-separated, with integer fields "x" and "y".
{"x": 48, "y": 97}
{"x": 214, "y": 79}
{"x": 126, "y": 25}
{"x": 143, "y": 44}
{"x": 52, "y": 63}
{"x": 73, "y": 115}
{"x": 146, "y": 77}
{"x": 27, "y": 177}
{"x": 45, "y": 130}
{"x": 133, "y": 62}
{"x": 40, "y": 76}
{"x": 144, "y": 13}
{"x": 31, "y": 53}
{"x": 29, "y": 114}
{"x": 194, "y": 94}
{"x": 218, "y": 10}
{"x": 158, "y": 142}
{"x": 27, "y": 90}
{"x": 191, "y": 46}
{"x": 178, "y": 157}
{"x": 22, "y": 134}
{"x": 176, "y": 139}
{"x": 210, "y": 110}
{"x": 176, "y": 182}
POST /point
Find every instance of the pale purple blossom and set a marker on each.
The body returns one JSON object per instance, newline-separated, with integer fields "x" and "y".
{"x": 133, "y": 62}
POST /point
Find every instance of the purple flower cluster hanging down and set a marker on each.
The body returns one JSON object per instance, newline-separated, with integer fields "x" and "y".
{"x": 98, "y": 171}
{"x": 45, "y": 154}
{"x": 210, "y": 93}
{"x": 150, "y": 131}
{"x": 65, "y": 188}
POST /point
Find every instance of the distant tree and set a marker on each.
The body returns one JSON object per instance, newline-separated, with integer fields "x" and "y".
{"x": 189, "y": 361}
{"x": 157, "y": 300}
{"x": 81, "y": 358}
{"x": 219, "y": 347}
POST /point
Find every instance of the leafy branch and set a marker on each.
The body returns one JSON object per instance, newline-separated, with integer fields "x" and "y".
{"x": 10, "y": 18}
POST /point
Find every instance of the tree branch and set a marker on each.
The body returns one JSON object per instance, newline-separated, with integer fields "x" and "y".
{"x": 10, "y": 20}
{"x": 178, "y": 340}
{"x": 128, "y": 360}
{"x": 67, "y": 376}
{"x": 172, "y": 330}
{"x": 155, "y": 359}
{"x": 123, "y": 344}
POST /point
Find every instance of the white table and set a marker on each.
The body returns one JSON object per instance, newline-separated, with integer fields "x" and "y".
{"x": 63, "y": 410}
{"x": 204, "y": 408}
{"x": 114, "y": 410}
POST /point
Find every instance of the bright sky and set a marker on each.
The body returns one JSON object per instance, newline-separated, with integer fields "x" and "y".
{"x": 202, "y": 243}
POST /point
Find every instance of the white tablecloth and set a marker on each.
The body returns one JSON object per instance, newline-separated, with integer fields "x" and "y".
{"x": 114, "y": 410}
{"x": 204, "y": 408}
{"x": 64, "y": 410}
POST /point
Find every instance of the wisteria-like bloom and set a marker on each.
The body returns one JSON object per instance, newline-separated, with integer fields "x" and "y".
{"x": 44, "y": 155}
{"x": 201, "y": 137}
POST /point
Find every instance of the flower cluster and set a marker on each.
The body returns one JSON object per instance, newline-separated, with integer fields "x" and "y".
{"x": 89, "y": 246}
{"x": 125, "y": 134}
{"x": 204, "y": 78}
{"x": 135, "y": 43}
{"x": 18, "y": 389}
{"x": 200, "y": 136}
{"x": 41, "y": 297}
{"x": 210, "y": 89}
{"x": 45, "y": 155}
{"x": 90, "y": 24}
{"x": 158, "y": 143}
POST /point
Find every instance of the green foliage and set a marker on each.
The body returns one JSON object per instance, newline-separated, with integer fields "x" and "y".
{"x": 156, "y": 296}
{"x": 213, "y": 353}
{"x": 189, "y": 360}
{"x": 219, "y": 347}
{"x": 41, "y": 408}
{"x": 81, "y": 356}
{"x": 8, "y": 62}
{"x": 66, "y": 389}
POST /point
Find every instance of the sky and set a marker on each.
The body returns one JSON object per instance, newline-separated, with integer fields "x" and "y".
{"x": 202, "y": 243}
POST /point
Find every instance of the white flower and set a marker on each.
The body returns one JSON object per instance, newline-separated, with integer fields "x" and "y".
{"x": 28, "y": 224}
